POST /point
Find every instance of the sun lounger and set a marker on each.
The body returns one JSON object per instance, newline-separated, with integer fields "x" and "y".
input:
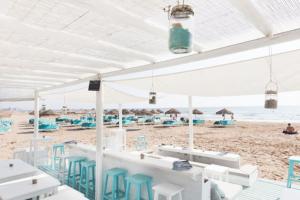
{"x": 88, "y": 125}
{"x": 48, "y": 127}
{"x": 223, "y": 123}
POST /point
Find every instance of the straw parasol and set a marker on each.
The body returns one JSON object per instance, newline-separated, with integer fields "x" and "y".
{"x": 172, "y": 111}
{"x": 224, "y": 112}
{"x": 126, "y": 112}
{"x": 143, "y": 112}
{"x": 47, "y": 112}
{"x": 197, "y": 112}
{"x": 154, "y": 112}
{"x": 113, "y": 112}
{"x": 159, "y": 111}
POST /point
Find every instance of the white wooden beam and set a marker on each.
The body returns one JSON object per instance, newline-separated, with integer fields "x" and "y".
{"x": 27, "y": 72}
{"x": 10, "y": 80}
{"x": 15, "y": 99}
{"x": 35, "y": 78}
{"x": 102, "y": 63}
{"x": 245, "y": 46}
{"x": 44, "y": 66}
{"x": 253, "y": 15}
{"x": 104, "y": 44}
{"x": 127, "y": 17}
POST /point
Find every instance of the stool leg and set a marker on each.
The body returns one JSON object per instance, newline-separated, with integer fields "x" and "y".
{"x": 114, "y": 188}
{"x": 138, "y": 192}
{"x": 127, "y": 195}
{"x": 290, "y": 174}
{"x": 74, "y": 175}
{"x": 87, "y": 182}
{"x": 105, "y": 187}
{"x": 180, "y": 195}
{"x": 69, "y": 173}
{"x": 156, "y": 195}
{"x": 149, "y": 189}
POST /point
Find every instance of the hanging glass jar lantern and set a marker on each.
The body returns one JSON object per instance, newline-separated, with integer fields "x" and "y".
{"x": 152, "y": 97}
{"x": 152, "y": 93}
{"x": 271, "y": 95}
{"x": 181, "y": 28}
{"x": 271, "y": 90}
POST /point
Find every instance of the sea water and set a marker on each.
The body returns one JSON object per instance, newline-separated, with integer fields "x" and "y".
{"x": 282, "y": 114}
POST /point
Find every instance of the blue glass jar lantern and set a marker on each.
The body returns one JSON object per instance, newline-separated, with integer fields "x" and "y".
{"x": 181, "y": 26}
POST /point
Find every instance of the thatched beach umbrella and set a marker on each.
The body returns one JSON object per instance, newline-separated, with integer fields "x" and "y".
{"x": 224, "y": 112}
{"x": 154, "y": 112}
{"x": 113, "y": 112}
{"x": 172, "y": 111}
{"x": 197, "y": 112}
{"x": 126, "y": 112}
{"x": 159, "y": 111}
{"x": 47, "y": 112}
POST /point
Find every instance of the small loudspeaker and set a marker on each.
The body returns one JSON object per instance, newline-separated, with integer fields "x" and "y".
{"x": 94, "y": 85}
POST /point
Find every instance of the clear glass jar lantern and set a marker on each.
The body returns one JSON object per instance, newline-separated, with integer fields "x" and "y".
{"x": 152, "y": 97}
{"x": 271, "y": 95}
{"x": 181, "y": 29}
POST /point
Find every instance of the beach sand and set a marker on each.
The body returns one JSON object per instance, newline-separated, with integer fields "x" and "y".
{"x": 258, "y": 143}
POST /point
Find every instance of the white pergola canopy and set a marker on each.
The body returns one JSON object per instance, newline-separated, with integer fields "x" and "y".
{"x": 48, "y": 44}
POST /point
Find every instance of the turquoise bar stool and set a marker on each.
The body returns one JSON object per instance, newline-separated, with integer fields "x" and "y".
{"x": 293, "y": 160}
{"x": 74, "y": 170}
{"x": 57, "y": 149}
{"x": 116, "y": 175}
{"x": 87, "y": 178}
{"x": 139, "y": 180}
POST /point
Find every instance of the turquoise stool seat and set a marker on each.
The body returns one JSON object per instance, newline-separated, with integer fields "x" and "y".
{"x": 116, "y": 175}
{"x": 74, "y": 170}
{"x": 57, "y": 149}
{"x": 139, "y": 180}
{"x": 87, "y": 178}
{"x": 293, "y": 160}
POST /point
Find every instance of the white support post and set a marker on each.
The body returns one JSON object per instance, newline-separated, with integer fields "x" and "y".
{"x": 120, "y": 117}
{"x": 99, "y": 141}
{"x": 36, "y": 126}
{"x": 191, "y": 130}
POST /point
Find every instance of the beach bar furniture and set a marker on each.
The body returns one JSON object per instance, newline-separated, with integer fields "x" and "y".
{"x": 87, "y": 178}
{"x": 293, "y": 161}
{"x": 14, "y": 169}
{"x": 138, "y": 181}
{"x": 217, "y": 172}
{"x": 158, "y": 167}
{"x": 116, "y": 175}
{"x": 167, "y": 190}
{"x": 74, "y": 170}
{"x": 66, "y": 193}
{"x": 26, "y": 188}
{"x": 208, "y": 157}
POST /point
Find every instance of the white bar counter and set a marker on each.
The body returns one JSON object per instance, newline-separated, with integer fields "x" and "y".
{"x": 196, "y": 187}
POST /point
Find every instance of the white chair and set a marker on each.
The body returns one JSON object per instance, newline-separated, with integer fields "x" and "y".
{"x": 217, "y": 172}
{"x": 167, "y": 190}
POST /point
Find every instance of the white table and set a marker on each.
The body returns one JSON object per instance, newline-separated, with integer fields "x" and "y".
{"x": 65, "y": 193}
{"x": 20, "y": 169}
{"x": 24, "y": 189}
{"x": 290, "y": 194}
